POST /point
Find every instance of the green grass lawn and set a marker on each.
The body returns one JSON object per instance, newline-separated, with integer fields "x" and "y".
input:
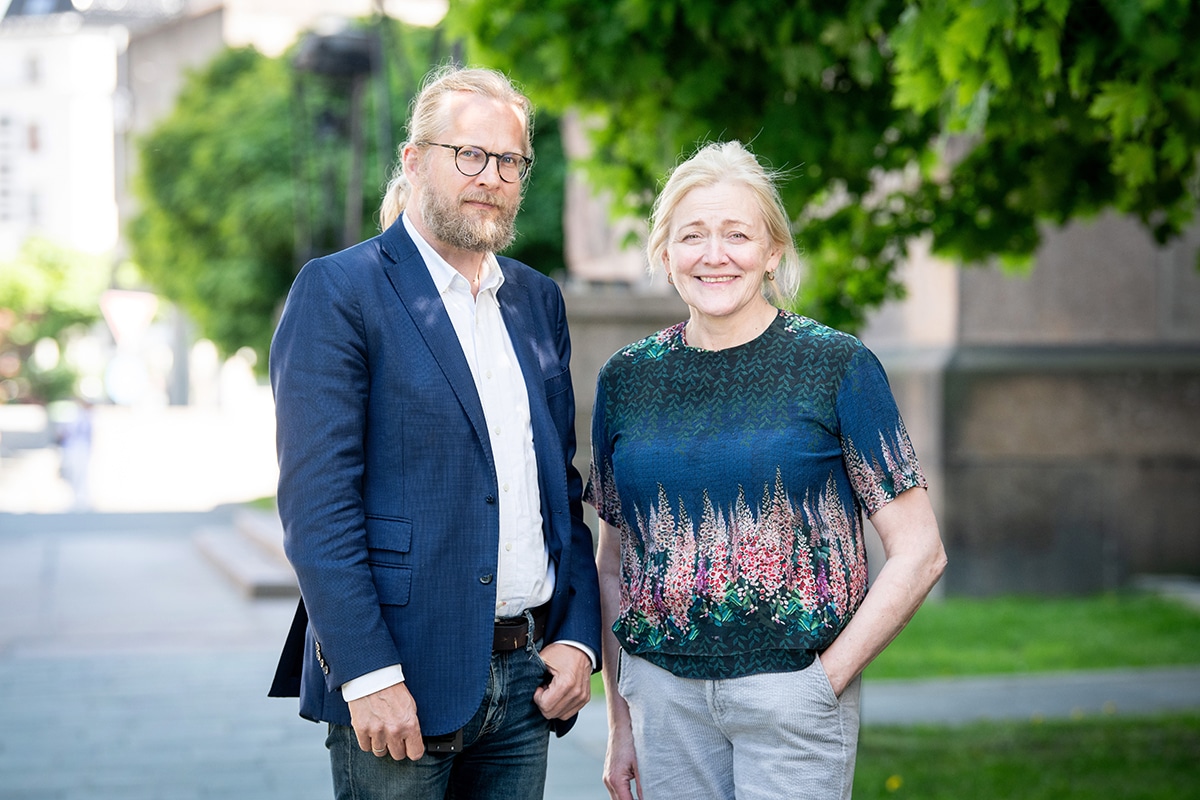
{"x": 1105, "y": 759}
{"x": 960, "y": 636}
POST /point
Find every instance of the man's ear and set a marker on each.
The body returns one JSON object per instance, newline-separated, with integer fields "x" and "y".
{"x": 410, "y": 158}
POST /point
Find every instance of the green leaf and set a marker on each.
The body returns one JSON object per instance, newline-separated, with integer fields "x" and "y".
{"x": 1134, "y": 162}
{"x": 1124, "y": 105}
{"x": 1046, "y": 45}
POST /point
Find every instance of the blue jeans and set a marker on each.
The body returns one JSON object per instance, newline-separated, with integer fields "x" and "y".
{"x": 503, "y": 755}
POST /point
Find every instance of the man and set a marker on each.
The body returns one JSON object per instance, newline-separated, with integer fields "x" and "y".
{"x": 431, "y": 512}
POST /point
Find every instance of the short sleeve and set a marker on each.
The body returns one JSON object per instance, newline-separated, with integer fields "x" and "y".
{"x": 601, "y": 491}
{"x": 878, "y": 453}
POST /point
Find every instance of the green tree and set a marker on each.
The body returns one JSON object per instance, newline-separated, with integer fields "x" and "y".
{"x": 540, "y": 241}
{"x": 247, "y": 179}
{"x": 1066, "y": 107}
{"x": 971, "y": 122}
{"x": 215, "y": 234}
{"x": 46, "y": 292}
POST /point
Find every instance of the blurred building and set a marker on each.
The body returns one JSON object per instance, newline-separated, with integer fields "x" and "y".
{"x": 61, "y": 113}
{"x": 273, "y": 25}
{"x": 80, "y": 80}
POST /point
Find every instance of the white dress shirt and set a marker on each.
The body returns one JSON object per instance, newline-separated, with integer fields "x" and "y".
{"x": 525, "y": 576}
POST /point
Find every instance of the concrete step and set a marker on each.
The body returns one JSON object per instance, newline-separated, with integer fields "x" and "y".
{"x": 250, "y": 565}
{"x": 263, "y": 528}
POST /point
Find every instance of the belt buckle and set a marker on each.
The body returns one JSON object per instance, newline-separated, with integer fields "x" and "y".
{"x": 510, "y": 634}
{"x": 446, "y": 743}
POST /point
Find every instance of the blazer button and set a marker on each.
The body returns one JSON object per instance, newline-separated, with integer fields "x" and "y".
{"x": 490, "y": 500}
{"x": 321, "y": 659}
{"x": 485, "y": 579}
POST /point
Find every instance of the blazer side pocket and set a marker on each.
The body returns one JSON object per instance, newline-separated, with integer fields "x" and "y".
{"x": 394, "y": 584}
{"x": 387, "y": 537}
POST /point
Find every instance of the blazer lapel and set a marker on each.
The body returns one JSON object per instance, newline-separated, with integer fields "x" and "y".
{"x": 529, "y": 342}
{"x": 513, "y": 298}
{"x": 410, "y": 278}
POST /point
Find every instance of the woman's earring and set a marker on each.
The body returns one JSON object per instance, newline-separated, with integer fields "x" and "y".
{"x": 670, "y": 279}
{"x": 771, "y": 275}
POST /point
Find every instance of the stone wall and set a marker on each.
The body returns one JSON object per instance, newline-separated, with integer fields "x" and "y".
{"x": 1068, "y": 470}
{"x": 1057, "y": 412}
{"x": 1103, "y": 282}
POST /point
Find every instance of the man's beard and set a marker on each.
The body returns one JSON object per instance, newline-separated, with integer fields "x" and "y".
{"x": 450, "y": 223}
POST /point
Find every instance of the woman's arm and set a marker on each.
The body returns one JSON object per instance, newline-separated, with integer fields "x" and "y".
{"x": 915, "y": 562}
{"x": 620, "y": 763}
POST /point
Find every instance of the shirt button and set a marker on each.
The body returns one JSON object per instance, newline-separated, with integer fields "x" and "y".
{"x": 505, "y": 487}
{"x": 488, "y": 374}
{"x": 508, "y": 546}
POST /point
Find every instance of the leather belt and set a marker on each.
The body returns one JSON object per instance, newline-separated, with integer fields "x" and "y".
{"x": 512, "y": 633}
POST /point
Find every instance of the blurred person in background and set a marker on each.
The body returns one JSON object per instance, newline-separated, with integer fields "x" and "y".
{"x": 450, "y": 612}
{"x": 733, "y": 455}
{"x": 75, "y": 441}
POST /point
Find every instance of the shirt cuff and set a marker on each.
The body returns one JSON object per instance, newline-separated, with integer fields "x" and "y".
{"x": 372, "y": 682}
{"x": 587, "y": 651}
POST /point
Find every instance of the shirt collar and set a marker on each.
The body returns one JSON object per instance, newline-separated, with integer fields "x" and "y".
{"x": 443, "y": 274}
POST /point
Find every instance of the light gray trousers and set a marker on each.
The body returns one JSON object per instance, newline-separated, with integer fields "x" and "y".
{"x": 761, "y": 737}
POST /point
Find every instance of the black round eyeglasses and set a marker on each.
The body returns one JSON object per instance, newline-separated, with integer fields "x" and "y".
{"x": 471, "y": 161}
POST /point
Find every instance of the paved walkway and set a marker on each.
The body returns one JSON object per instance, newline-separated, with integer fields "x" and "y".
{"x": 131, "y": 668}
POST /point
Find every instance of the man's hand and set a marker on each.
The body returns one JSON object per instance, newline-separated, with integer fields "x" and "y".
{"x": 386, "y": 723}
{"x": 570, "y": 682}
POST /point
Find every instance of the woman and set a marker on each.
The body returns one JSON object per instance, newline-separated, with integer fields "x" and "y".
{"x": 733, "y": 456}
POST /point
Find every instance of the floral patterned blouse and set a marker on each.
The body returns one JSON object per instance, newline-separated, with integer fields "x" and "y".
{"x": 737, "y": 479}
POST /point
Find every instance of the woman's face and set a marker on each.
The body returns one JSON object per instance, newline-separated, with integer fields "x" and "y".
{"x": 718, "y": 251}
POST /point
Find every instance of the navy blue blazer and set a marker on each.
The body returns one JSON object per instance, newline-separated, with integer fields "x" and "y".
{"x": 387, "y": 483}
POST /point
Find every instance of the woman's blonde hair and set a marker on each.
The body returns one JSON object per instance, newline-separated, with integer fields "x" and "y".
{"x": 427, "y": 119}
{"x": 729, "y": 162}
